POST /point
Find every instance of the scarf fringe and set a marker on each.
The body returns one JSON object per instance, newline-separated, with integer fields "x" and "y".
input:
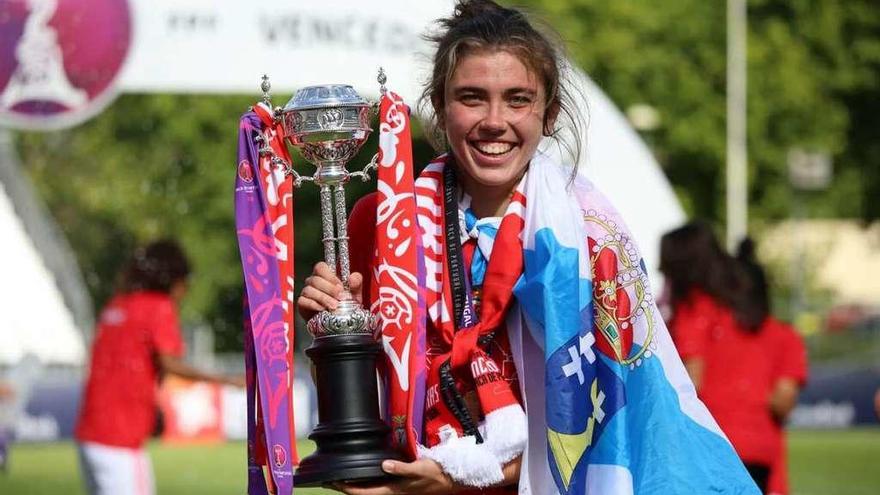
{"x": 465, "y": 461}
{"x": 481, "y": 465}
{"x": 505, "y": 432}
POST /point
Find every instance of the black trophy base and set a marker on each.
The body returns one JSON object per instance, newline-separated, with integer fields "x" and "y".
{"x": 318, "y": 470}
{"x": 351, "y": 438}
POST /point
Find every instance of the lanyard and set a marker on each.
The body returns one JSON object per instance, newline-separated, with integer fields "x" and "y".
{"x": 464, "y": 312}
{"x": 462, "y": 301}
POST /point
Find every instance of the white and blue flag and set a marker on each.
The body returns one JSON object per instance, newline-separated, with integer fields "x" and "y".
{"x": 610, "y": 407}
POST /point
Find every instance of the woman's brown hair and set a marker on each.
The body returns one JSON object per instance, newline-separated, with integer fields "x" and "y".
{"x": 692, "y": 258}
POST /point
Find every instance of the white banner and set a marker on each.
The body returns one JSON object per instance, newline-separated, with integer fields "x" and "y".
{"x": 226, "y": 46}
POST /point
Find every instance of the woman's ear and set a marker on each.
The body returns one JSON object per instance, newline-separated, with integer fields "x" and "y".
{"x": 550, "y": 116}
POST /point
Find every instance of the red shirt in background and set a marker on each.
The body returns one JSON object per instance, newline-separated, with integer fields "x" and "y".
{"x": 119, "y": 402}
{"x": 738, "y": 374}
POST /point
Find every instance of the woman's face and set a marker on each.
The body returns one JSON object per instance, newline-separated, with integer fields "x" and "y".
{"x": 493, "y": 116}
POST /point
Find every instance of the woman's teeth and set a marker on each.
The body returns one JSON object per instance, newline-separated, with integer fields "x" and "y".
{"x": 494, "y": 148}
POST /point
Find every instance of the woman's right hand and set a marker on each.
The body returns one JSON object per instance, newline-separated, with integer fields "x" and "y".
{"x": 323, "y": 290}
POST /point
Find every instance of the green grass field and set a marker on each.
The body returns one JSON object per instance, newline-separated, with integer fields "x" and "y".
{"x": 822, "y": 463}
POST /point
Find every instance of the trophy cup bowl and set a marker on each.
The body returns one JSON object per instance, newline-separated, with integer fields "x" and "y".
{"x": 329, "y": 124}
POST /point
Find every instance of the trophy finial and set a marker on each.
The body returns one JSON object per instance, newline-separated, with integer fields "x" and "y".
{"x": 265, "y": 86}
{"x": 382, "y": 79}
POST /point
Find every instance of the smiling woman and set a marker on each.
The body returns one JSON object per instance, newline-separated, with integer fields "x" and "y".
{"x": 493, "y": 114}
{"x": 494, "y": 94}
{"x": 523, "y": 377}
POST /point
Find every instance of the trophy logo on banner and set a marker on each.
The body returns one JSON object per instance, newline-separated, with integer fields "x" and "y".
{"x": 40, "y": 73}
{"x": 328, "y": 124}
{"x": 61, "y": 71}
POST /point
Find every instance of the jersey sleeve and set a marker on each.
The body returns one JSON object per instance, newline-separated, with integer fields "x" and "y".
{"x": 362, "y": 239}
{"x": 165, "y": 331}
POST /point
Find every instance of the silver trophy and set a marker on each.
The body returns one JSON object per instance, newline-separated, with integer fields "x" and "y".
{"x": 329, "y": 124}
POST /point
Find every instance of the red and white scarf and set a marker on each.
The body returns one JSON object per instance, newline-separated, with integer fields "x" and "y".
{"x": 478, "y": 376}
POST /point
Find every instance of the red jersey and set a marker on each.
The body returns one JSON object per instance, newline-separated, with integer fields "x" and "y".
{"x": 119, "y": 402}
{"x": 362, "y": 235}
{"x": 739, "y": 373}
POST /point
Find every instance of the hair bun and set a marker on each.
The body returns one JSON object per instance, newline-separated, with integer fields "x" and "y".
{"x": 472, "y": 8}
{"x": 746, "y": 250}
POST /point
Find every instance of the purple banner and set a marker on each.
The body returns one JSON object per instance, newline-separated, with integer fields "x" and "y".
{"x": 267, "y": 352}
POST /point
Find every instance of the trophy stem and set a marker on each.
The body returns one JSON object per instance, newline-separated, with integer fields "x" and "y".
{"x": 327, "y": 228}
{"x": 342, "y": 235}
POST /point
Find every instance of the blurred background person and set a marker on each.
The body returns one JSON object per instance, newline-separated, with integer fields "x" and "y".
{"x": 877, "y": 403}
{"x": 789, "y": 355}
{"x": 137, "y": 342}
{"x": 15, "y": 390}
{"x": 746, "y": 365}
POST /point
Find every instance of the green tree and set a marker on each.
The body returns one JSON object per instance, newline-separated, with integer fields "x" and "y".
{"x": 812, "y": 78}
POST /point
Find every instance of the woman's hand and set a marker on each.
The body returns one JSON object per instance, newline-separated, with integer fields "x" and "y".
{"x": 423, "y": 476}
{"x": 323, "y": 290}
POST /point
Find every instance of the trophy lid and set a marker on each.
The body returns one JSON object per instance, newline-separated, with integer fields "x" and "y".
{"x": 329, "y": 123}
{"x": 325, "y": 96}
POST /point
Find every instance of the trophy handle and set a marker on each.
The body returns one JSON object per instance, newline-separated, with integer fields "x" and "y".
{"x": 266, "y": 150}
{"x": 364, "y": 174}
{"x": 297, "y": 178}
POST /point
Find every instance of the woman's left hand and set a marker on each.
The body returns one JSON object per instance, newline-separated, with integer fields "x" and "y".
{"x": 423, "y": 476}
